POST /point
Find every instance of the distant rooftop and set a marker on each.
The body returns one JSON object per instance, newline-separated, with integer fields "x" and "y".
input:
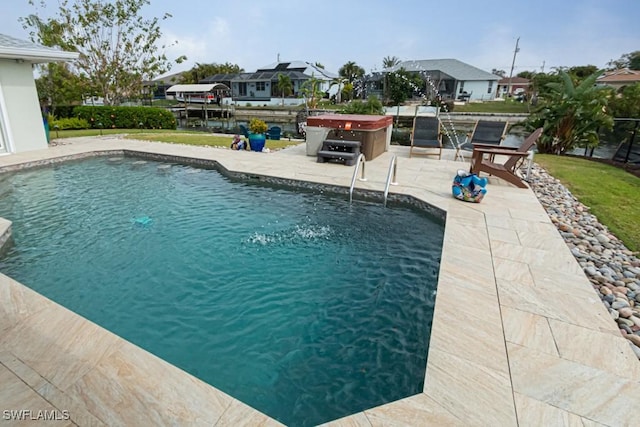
{"x": 257, "y": 76}
{"x": 306, "y": 67}
{"x": 452, "y": 67}
{"x": 623, "y": 75}
{"x": 167, "y": 79}
{"x": 514, "y": 80}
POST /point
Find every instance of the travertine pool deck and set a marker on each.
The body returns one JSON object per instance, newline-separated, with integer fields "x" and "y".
{"x": 519, "y": 336}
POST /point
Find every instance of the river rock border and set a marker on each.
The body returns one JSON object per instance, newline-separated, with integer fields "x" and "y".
{"x": 612, "y": 269}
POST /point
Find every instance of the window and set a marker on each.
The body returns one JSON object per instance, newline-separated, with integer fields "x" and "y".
{"x": 261, "y": 86}
{"x": 461, "y": 87}
{"x": 242, "y": 89}
{"x": 490, "y": 89}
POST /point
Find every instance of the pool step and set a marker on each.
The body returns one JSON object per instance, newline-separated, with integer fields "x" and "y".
{"x": 340, "y": 151}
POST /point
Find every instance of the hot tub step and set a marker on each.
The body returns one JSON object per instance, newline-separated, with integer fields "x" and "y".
{"x": 348, "y": 159}
{"x": 341, "y": 151}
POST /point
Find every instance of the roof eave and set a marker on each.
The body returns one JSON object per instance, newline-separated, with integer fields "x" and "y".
{"x": 38, "y": 56}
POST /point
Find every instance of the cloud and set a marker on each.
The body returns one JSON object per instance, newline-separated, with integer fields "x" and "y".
{"x": 207, "y": 43}
{"x": 251, "y": 34}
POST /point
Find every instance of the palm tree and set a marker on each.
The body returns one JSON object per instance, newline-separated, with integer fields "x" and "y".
{"x": 390, "y": 61}
{"x": 284, "y": 85}
{"x": 310, "y": 89}
{"x": 351, "y": 71}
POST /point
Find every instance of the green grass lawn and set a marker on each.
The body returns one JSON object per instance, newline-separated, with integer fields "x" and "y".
{"x": 492, "y": 107}
{"x": 53, "y": 134}
{"x": 204, "y": 139}
{"x": 169, "y": 136}
{"x": 612, "y": 194}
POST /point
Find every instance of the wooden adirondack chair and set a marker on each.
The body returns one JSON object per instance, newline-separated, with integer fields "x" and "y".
{"x": 483, "y": 159}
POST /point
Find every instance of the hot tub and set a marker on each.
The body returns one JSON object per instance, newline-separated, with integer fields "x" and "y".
{"x": 373, "y": 132}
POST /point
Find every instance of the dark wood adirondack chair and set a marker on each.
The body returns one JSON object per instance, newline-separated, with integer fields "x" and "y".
{"x": 483, "y": 159}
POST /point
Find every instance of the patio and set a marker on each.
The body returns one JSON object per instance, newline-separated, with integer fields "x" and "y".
{"x": 519, "y": 335}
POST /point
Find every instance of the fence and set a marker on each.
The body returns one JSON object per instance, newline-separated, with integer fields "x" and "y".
{"x": 620, "y": 144}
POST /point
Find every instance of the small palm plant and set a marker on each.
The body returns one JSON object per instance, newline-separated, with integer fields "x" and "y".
{"x": 285, "y": 86}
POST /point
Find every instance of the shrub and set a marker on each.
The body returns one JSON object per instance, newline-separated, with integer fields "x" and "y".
{"x": 63, "y": 111}
{"x": 627, "y": 102}
{"x": 69, "y": 123}
{"x": 401, "y": 137}
{"x": 372, "y": 106}
{"x": 445, "y": 106}
{"x": 126, "y": 117}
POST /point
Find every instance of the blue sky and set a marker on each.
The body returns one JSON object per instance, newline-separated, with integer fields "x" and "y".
{"x": 483, "y": 33}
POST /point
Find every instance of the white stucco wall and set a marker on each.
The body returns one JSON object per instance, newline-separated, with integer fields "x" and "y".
{"x": 20, "y": 108}
{"x": 478, "y": 90}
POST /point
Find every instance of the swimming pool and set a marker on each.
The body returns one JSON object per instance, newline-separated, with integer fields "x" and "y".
{"x": 296, "y": 303}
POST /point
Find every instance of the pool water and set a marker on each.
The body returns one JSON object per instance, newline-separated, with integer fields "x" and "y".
{"x": 299, "y": 304}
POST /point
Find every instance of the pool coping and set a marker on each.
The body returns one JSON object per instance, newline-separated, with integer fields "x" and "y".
{"x": 514, "y": 323}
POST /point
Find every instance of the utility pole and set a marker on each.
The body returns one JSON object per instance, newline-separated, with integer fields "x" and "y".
{"x": 542, "y": 69}
{"x": 515, "y": 52}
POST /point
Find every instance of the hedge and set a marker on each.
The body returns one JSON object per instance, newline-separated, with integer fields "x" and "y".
{"x": 68, "y": 123}
{"x": 63, "y": 111}
{"x": 126, "y": 117}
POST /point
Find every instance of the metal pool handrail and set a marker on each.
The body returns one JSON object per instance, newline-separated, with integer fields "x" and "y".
{"x": 393, "y": 167}
{"x": 361, "y": 159}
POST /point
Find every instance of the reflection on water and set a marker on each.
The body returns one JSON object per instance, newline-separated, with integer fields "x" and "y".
{"x": 513, "y": 140}
{"x": 605, "y": 150}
